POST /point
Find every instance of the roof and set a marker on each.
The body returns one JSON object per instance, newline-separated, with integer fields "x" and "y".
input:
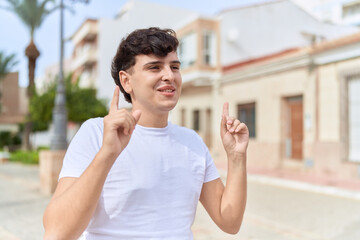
{"x": 320, "y": 47}
{"x": 251, "y": 5}
{"x": 266, "y": 58}
{"x": 339, "y": 42}
{"x": 83, "y": 23}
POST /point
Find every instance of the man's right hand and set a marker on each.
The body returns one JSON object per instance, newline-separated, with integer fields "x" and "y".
{"x": 119, "y": 125}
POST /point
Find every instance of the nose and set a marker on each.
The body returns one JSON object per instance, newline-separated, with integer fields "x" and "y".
{"x": 168, "y": 74}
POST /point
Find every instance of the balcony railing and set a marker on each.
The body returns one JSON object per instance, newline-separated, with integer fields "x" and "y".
{"x": 86, "y": 57}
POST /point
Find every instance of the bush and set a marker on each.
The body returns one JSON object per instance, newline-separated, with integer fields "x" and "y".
{"x": 27, "y": 157}
{"x": 39, "y": 148}
{"x": 9, "y": 139}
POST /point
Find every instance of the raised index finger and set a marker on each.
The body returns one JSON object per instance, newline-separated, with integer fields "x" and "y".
{"x": 115, "y": 100}
{"x": 226, "y": 109}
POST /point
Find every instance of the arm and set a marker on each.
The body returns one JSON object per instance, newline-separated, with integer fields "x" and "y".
{"x": 75, "y": 199}
{"x": 226, "y": 205}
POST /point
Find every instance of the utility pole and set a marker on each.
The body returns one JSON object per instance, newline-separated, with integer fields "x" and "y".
{"x": 58, "y": 141}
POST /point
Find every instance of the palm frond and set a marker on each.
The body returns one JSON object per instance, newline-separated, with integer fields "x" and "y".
{"x": 31, "y": 12}
{"x": 6, "y": 64}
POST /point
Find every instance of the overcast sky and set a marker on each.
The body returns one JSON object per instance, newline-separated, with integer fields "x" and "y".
{"x": 15, "y": 37}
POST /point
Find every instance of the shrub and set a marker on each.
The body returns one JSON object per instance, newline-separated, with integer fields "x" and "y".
{"x": 27, "y": 157}
{"x": 39, "y": 148}
{"x": 9, "y": 139}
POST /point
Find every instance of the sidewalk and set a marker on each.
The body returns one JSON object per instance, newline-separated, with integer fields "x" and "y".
{"x": 21, "y": 203}
{"x": 277, "y": 209}
{"x": 301, "y": 181}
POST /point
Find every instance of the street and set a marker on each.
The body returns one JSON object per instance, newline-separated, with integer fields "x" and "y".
{"x": 273, "y": 212}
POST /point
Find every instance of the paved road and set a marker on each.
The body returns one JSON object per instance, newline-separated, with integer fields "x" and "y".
{"x": 21, "y": 204}
{"x": 273, "y": 212}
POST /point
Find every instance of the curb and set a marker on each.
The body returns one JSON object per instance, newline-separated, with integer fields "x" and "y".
{"x": 303, "y": 186}
{"x": 333, "y": 191}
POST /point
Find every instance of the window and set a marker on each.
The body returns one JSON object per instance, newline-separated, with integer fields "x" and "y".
{"x": 209, "y": 48}
{"x": 188, "y": 50}
{"x": 351, "y": 10}
{"x": 354, "y": 119}
{"x": 246, "y": 114}
{"x": 196, "y": 120}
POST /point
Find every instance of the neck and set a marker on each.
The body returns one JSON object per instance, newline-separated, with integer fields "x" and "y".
{"x": 153, "y": 119}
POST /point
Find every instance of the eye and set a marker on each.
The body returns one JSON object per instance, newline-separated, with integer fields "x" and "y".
{"x": 175, "y": 67}
{"x": 154, "y": 67}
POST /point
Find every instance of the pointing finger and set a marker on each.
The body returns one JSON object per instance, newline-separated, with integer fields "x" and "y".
{"x": 223, "y": 127}
{"x": 115, "y": 100}
{"x": 226, "y": 109}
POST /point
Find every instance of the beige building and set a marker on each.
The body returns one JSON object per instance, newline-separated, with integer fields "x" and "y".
{"x": 302, "y": 107}
{"x": 84, "y": 58}
{"x": 199, "y": 54}
{"x": 13, "y": 103}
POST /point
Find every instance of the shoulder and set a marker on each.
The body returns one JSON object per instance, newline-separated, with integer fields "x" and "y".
{"x": 91, "y": 128}
{"x": 93, "y": 124}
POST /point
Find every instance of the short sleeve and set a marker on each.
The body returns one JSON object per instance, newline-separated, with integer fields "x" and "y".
{"x": 211, "y": 173}
{"x": 83, "y": 148}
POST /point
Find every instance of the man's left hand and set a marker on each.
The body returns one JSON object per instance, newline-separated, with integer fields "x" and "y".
{"x": 234, "y": 134}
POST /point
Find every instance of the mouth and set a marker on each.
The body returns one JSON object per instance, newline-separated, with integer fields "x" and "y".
{"x": 166, "y": 89}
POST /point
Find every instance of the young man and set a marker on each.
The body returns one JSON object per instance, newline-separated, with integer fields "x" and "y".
{"x": 134, "y": 175}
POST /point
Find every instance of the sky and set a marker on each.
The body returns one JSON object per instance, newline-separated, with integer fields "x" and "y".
{"x": 15, "y": 36}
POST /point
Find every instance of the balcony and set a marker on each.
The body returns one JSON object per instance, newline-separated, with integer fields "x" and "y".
{"x": 87, "y": 31}
{"x": 84, "y": 57}
{"x": 87, "y": 79}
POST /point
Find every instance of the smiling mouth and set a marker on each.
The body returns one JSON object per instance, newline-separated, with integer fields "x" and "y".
{"x": 167, "y": 90}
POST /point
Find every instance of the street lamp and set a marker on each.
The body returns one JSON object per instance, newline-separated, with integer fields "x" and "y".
{"x": 50, "y": 161}
{"x": 58, "y": 141}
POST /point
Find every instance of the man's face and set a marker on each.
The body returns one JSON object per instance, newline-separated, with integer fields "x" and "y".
{"x": 155, "y": 83}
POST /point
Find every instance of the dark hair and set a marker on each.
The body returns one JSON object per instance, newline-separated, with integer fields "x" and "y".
{"x": 153, "y": 40}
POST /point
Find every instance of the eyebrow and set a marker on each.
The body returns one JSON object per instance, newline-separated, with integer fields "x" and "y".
{"x": 160, "y": 62}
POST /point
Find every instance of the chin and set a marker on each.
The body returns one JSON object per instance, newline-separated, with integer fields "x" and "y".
{"x": 169, "y": 106}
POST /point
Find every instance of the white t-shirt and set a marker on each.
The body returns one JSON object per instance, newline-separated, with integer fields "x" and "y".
{"x": 153, "y": 188}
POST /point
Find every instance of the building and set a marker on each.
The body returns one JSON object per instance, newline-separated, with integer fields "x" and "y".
{"x": 13, "y": 103}
{"x": 50, "y": 75}
{"x": 302, "y": 108}
{"x": 282, "y": 81}
{"x": 343, "y": 12}
{"x": 84, "y": 64}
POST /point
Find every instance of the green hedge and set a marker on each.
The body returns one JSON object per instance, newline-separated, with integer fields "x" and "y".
{"x": 27, "y": 157}
{"x": 7, "y": 139}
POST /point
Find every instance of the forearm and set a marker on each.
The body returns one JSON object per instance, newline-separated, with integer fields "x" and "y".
{"x": 233, "y": 200}
{"x": 68, "y": 214}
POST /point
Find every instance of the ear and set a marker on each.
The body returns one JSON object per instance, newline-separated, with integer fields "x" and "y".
{"x": 125, "y": 81}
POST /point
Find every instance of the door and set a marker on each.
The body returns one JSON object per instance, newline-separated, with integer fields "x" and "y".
{"x": 294, "y": 129}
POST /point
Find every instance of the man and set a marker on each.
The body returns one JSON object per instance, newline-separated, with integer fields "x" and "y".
{"x": 134, "y": 175}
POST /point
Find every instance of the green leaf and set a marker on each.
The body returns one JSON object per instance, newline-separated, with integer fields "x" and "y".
{"x": 81, "y": 104}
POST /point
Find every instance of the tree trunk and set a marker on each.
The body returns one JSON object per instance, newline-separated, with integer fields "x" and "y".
{"x": 32, "y": 53}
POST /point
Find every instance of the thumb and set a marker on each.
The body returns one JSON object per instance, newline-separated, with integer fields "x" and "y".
{"x": 136, "y": 114}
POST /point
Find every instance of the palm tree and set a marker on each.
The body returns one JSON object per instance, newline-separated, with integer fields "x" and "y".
{"x": 6, "y": 63}
{"x": 32, "y": 13}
